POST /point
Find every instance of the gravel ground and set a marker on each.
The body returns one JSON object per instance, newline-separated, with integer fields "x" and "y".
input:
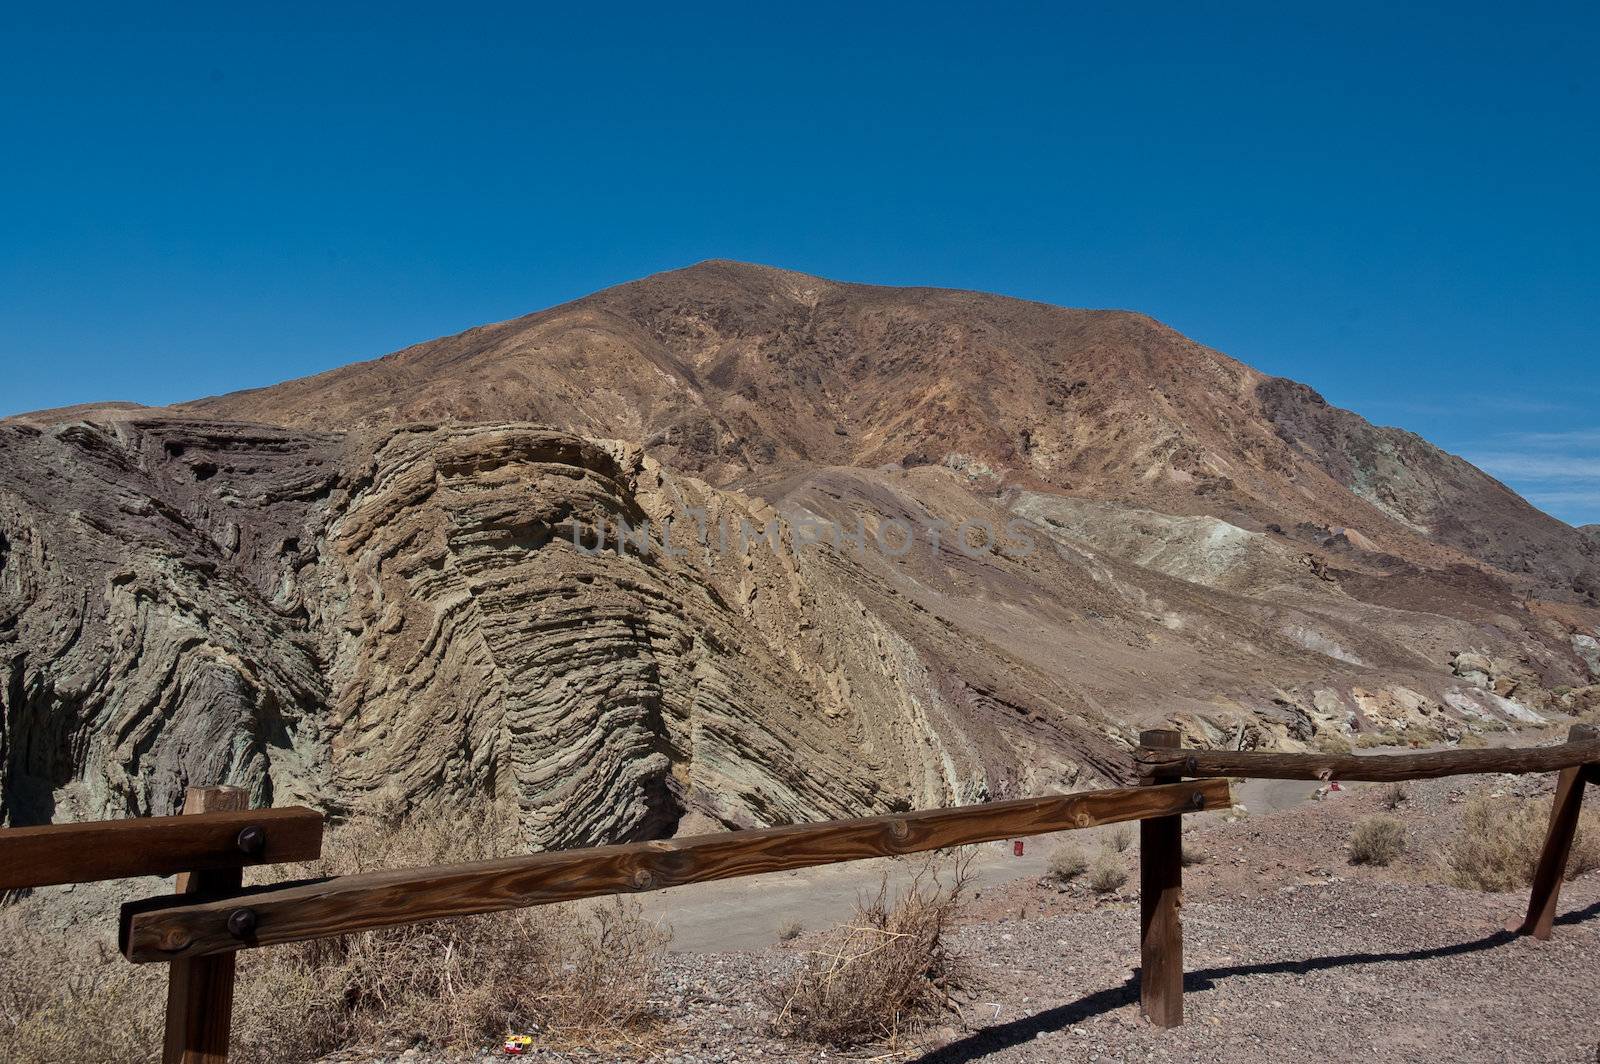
{"x": 1292, "y": 954}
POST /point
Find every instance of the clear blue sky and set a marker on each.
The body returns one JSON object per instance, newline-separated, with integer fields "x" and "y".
{"x": 1400, "y": 208}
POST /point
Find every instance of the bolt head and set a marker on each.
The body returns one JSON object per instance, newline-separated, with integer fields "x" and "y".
{"x": 252, "y": 840}
{"x": 242, "y": 923}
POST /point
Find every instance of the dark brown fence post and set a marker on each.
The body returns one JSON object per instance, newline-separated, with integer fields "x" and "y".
{"x": 1160, "y": 895}
{"x": 200, "y": 991}
{"x": 1540, "y": 921}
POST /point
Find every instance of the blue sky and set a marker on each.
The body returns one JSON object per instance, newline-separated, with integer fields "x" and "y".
{"x": 1398, "y": 207}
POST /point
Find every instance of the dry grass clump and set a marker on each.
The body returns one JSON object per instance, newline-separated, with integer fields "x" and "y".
{"x": 575, "y": 975}
{"x": 1106, "y": 874}
{"x": 66, "y": 999}
{"x": 578, "y": 975}
{"x": 1410, "y": 734}
{"x": 1330, "y": 742}
{"x": 887, "y": 971}
{"x": 1067, "y": 862}
{"x": 1498, "y": 845}
{"x": 790, "y": 930}
{"x": 1377, "y": 840}
{"x": 1395, "y": 795}
{"x": 1122, "y": 838}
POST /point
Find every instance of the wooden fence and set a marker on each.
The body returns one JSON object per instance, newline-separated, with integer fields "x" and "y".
{"x": 198, "y": 930}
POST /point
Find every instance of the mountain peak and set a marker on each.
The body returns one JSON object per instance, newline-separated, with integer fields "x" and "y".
{"x": 741, "y": 372}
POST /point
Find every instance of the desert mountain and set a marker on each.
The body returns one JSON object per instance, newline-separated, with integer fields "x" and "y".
{"x": 734, "y": 372}
{"x": 401, "y": 580}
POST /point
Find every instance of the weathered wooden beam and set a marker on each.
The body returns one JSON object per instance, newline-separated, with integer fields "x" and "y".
{"x": 1552, "y": 866}
{"x": 163, "y": 929}
{"x": 1160, "y": 897}
{"x": 1380, "y": 768}
{"x": 156, "y": 846}
{"x": 200, "y": 990}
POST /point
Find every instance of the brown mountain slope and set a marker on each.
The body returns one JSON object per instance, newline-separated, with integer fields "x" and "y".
{"x": 733, "y": 372}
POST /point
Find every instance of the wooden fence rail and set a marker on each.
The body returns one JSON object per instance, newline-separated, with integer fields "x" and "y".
{"x": 199, "y": 929}
{"x": 163, "y": 929}
{"x": 1161, "y": 868}
{"x": 1154, "y": 762}
{"x": 207, "y": 848}
{"x": 157, "y": 846}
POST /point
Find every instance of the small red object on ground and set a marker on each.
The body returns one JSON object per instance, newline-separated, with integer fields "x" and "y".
{"x": 1334, "y": 786}
{"x": 1016, "y": 847}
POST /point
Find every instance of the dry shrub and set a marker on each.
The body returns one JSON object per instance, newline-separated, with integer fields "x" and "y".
{"x": 790, "y": 930}
{"x": 1377, "y": 840}
{"x": 1330, "y": 742}
{"x": 65, "y": 997}
{"x": 887, "y": 971}
{"x": 578, "y": 974}
{"x": 575, "y": 975}
{"x": 1067, "y": 862}
{"x": 1406, "y": 735}
{"x": 1498, "y": 845}
{"x": 1122, "y": 838}
{"x": 1106, "y": 874}
{"x": 1395, "y": 795}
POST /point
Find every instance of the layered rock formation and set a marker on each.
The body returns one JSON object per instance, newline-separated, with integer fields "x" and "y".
{"x": 434, "y": 614}
{"x": 905, "y": 548}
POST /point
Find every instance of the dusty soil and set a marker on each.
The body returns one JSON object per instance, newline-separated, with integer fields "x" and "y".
{"x": 1292, "y": 953}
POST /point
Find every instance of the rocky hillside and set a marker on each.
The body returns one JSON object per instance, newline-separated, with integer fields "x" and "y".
{"x": 732, "y": 371}
{"x": 920, "y": 547}
{"x": 412, "y": 615}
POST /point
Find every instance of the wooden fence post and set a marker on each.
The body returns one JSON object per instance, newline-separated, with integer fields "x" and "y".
{"x": 1540, "y": 921}
{"x": 200, "y": 991}
{"x": 1160, "y": 895}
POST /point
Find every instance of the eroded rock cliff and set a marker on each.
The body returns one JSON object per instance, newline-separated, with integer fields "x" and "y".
{"x": 432, "y": 614}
